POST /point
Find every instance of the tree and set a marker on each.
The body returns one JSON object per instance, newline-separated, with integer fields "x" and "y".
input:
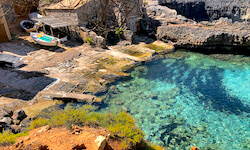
{"x": 110, "y": 15}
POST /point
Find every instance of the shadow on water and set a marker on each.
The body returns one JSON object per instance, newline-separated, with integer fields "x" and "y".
{"x": 213, "y": 92}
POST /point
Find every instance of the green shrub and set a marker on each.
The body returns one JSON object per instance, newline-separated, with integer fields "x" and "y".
{"x": 7, "y": 137}
{"x": 89, "y": 40}
{"x": 119, "y": 32}
{"x": 120, "y": 125}
{"x": 39, "y": 123}
{"x": 123, "y": 125}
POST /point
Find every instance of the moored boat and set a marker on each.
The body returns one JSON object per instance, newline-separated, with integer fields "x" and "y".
{"x": 44, "y": 39}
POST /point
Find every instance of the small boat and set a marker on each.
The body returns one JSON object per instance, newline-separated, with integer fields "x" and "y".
{"x": 44, "y": 39}
{"x": 28, "y": 25}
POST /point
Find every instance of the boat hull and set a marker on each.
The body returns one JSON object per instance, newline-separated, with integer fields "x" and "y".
{"x": 53, "y": 42}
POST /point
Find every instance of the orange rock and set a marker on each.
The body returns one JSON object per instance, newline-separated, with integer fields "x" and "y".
{"x": 194, "y": 148}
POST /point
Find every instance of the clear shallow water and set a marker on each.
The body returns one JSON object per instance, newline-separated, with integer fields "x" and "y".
{"x": 189, "y": 99}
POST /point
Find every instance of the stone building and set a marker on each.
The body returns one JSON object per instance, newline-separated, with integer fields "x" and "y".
{"x": 84, "y": 13}
{"x": 80, "y": 12}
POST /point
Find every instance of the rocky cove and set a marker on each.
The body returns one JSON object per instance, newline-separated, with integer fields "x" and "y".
{"x": 94, "y": 70}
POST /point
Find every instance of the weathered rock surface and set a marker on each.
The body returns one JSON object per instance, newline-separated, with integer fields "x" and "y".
{"x": 101, "y": 142}
{"x": 223, "y": 37}
{"x": 3, "y": 113}
{"x": 218, "y": 36}
{"x": 154, "y": 9}
{"x": 92, "y": 38}
{"x": 6, "y": 120}
{"x": 238, "y": 10}
{"x": 45, "y": 138}
{"x": 10, "y": 121}
{"x": 19, "y": 115}
{"x": 16, "y": 128}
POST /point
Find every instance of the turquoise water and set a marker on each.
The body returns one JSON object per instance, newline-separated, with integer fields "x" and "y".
{"x": 189, "y": 99}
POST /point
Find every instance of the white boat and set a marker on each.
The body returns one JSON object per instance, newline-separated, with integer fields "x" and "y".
{"x": 44, "y": 39}
{"x": 28, "y": 25}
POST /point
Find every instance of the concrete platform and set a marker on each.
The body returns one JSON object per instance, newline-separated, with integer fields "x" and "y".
{"x": 10, "y": 60}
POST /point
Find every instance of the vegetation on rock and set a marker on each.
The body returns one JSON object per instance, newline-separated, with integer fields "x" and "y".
{"x": 7, "y": 137}
{"x": 120, "y": 125}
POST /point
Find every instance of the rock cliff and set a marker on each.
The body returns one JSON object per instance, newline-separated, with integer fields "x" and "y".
{"x": 222, "y": 37}
{"x": 237, "y": 10}
{"x": 217, "y": 36}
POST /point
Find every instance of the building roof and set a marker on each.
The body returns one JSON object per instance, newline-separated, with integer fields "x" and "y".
{"x": 53, "y": 22}
{"x": 67, "y": 4}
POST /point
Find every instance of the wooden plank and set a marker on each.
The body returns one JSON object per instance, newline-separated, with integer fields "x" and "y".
{"x": 53, "y": 22}
{"x": 3, "y": 35}
{"x": 5, "y": 25}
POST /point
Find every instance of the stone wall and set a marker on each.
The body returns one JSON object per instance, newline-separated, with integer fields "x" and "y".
{"x": 72, "y": 31}
{"x": 87, "y": 12}
{"x": 10, "y": 16}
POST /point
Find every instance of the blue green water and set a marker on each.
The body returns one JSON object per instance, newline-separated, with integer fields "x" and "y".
{"x": 189, "y": 99}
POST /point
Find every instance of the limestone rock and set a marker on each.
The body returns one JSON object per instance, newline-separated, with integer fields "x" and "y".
{"x": 101, "y": 142}
{"x": 76, "y": 129}
{"x": 91, "y": 37}
{"x": 237, "y": 10}
{"x": 155, "y": 10}
{"x": 3, "y": 113}
{"x": 128, "y": 35}
{"x": 44, "y": 129}
{"x": 19, "y": 115}
{"x": 6, "y": 120}
{"x": 222, "y": 36}
{"x": 78, "y": 146}
{"x": 25, "y": 123}
{"x": 6, "y": 127}
{"x": 16, "y": 128}
{"x": 16, "y": 122}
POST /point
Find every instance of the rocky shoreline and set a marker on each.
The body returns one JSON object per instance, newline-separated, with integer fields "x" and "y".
{"x": 213, "y": 36}
{"x": 78, "y": 74}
